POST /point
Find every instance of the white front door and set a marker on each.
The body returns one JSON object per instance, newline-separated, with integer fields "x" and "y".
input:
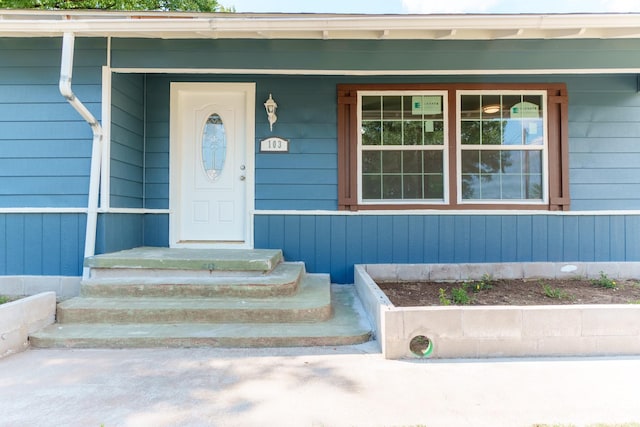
{"x": 211, "y": 180}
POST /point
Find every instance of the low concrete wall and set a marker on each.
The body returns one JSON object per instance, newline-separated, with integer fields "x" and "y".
{"x": 500, "y": 331}
{"x": 20, "y": 318}
{"x": 64, "y": 286}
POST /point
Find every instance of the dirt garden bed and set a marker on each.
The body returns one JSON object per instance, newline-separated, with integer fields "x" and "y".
{"x": 502, "y": 309}
{"x": 489, "y": 291}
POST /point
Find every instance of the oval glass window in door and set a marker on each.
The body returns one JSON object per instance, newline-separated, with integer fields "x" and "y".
{"x": 214, "y": 146}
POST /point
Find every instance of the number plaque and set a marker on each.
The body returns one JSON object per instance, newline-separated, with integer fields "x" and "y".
{"x": 274, "y": 144}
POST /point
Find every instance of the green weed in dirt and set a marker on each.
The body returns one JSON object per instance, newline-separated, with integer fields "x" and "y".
{"x": 459, "y": 296}
{"x": 604, "y": 282}
{"x": 554, "y": 293}
{"x": 4, "y": 299}
{"x": 442, "y": 295}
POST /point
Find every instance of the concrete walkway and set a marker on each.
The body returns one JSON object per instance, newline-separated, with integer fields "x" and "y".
{"x": 343, "y": 386}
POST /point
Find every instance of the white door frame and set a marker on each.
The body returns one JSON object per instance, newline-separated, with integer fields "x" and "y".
{"x": 249, "y": 89}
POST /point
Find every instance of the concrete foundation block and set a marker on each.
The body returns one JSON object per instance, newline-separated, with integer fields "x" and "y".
{"x": 508, "y": 270}
{"x": 567, "y": 346}
{"x": 474, "y": 271}
{"x": 506, "y": 347}
{"x": 11, "y": 285}
{"x": 446, "y": 348}
{"x": 611, "y": 320}
{"x": 538, "y": 270}
{"x": 413, "y": 272}
{"x": 383, "y": 272}
{"x": 611, "y": 269}
{"x": 552, "y": 321}
{"x": 618, "y": 345}
{"x": 443, "y": 322}
{"x": 492, "y": 322}
{"x": 444, "y": 272}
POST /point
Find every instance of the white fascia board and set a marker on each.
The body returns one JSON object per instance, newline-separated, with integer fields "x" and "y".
{"x": 312, "y": 26}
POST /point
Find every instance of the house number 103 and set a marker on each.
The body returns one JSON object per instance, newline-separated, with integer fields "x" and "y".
{"x": 274, "y": 145}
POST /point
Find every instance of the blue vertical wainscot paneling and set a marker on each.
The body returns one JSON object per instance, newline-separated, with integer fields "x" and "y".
{"x": 41, "y": 244}
{"x": 334, "y": 243}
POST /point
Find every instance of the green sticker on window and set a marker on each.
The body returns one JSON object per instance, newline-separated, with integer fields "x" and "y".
{"x": 426, "y": 105}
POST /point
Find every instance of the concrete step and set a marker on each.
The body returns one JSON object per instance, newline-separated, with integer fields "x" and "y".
{"x": 223, "y": 261}
{"x": 347, "y": 326}
{"x": 283, "y": 280}
{"x": 312, "y": 302}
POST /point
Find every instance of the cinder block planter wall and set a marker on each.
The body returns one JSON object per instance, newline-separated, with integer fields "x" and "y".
{"x": 500, "y": 331}
{"x": 20, "y": 318}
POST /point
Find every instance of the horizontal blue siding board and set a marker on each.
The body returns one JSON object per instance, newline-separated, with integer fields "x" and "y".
{"x": 295, "y": 191}
{"x": 20, "y": 112}
{"x": 48, "y": 201}
{"x": 604, "y": 176}
{"x": 59, "y": 185}
{"x": 382, "y": 55}
{"x": 297, "y": 204}
{"x": 35, "y": 167}
{"x": 297, "y": 161}
{"x": 299, "y": 176}
{"x": 51, "y": 149}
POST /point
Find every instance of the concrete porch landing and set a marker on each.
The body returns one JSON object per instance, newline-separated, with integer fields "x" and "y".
{"x": 160, "y": 297}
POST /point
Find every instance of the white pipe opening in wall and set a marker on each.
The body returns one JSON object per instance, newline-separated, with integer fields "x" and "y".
{"x": 66, "y": 71}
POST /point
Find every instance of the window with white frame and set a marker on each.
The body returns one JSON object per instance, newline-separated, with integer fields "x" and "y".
{"x": 402, "y": 147}
{"x": 502, "y": 146}
{"x": 453, "y": 146}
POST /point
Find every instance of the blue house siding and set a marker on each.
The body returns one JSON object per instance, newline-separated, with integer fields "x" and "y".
{"x": 45, "y": 150}
{"x": 44, "y": 145}
{"x": 127, "y": 141}
{"x": 334, "y": 243}
{"x": 42, "y": 244}
{"x": 377, "y": 54}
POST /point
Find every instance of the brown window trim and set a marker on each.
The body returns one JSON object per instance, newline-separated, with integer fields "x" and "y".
{"x": 558, "y": 149}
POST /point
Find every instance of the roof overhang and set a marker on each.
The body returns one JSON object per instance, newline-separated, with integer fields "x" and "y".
{"x": 174, "y": 25}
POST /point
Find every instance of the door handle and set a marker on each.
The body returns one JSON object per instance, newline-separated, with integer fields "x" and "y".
{"x": 242, "y": 177}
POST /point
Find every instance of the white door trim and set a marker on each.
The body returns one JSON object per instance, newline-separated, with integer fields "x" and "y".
{"x": 249, "y": 89}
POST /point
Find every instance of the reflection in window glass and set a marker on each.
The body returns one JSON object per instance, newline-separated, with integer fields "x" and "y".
{"x": 414, "y": 168}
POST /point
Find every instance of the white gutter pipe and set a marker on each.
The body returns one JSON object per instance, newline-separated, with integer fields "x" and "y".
{"x": 66, "y": 71}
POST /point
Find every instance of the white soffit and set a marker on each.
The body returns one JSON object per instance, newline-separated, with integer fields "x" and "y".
{"x": 172, "y": 25}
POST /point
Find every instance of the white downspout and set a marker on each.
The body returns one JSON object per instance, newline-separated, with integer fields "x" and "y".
{"x": 66, "y": 71}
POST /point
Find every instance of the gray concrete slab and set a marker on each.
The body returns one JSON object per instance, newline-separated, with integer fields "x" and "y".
{"x": 325, "y": 386}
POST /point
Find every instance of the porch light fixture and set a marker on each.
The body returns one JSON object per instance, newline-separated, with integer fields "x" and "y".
{"x": 491, "y": 108}
{"x": 270, "y": 105}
